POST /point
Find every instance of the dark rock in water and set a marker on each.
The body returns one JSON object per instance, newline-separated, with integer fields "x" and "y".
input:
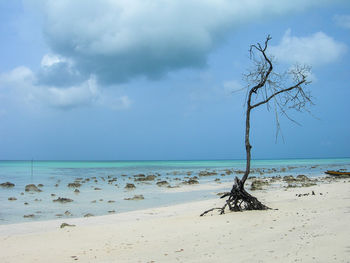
{"x": 29, "y": 216}
{"x": 63, "y": 200}
{"x": 111, "y": 201}
{"x": 258, "y": 184}
{"x": 65, "y": 224}
{"x": 56, "y": 185}
{"x": 88, "y": 215}
{"x": 22, "y": 193}
{"x": 302, "y": 177}
{"x": 191, "y": 181}
{"x": 67, "y": 213}
{"x": 100, "y": 200}
{"x": 162, "y": 183}
{"x": 74, "y": 185}
{"x": 12, "y": 198}
{"x": 111, "y": 211}
{"x": 40, "y": 185}
{"x": 147, "y": 178}
{"x": 96, "y": 188}
{"x": 217, "y": 180}
{"x": 32, "y": 188}
{"x": 53, "y": 195}
{"x": 207, "y": 173}
{"x": 37, "y": 200}
{"x": 76, "y": 191}
{"x": 59, "y": 215}
{"x": 136, "y": 197}
{"x": 25, "y": 203}
{"x": 289, "y": 178}
{"x": 94, "y": 201}
{"x": 130, "y": 186}
{"x": 139, "y": 175}
{"x": 7, "y": 185}
{"x": 110, "y": 181}
{"x": 228, "y": 172}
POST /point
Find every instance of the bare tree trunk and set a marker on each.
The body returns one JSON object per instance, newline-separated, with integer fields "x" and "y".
{"x": 267, "y": 88}
{"x": 247, "y": 146}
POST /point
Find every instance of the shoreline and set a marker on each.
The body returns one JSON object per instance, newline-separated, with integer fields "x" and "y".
{"x": 75, "y": 190}
{"x": 212, "y": 186}
{"x": 310, "y": 228}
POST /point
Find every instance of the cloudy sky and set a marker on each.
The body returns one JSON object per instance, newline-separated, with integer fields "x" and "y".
{"x": 163, "y": 79}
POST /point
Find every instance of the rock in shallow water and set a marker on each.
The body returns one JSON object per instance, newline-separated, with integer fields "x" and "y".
{"x": 136, "y": 197}
{"x": 32, "y": 188}
{"x": 12, "y": 198}
{"x": 147, "y": 178}
{"x": 162, "y": 183}
{"x": 29, "y": 216}
{"x": 74, "y": 185}
{"x": 63, "y": 200}
{"x": 88, "y": 215}
{"x": 191, "y": 181}
{"x": 130, "y": 186}
{"x": 67, "y": 213}
{"x": 7, "y": 185}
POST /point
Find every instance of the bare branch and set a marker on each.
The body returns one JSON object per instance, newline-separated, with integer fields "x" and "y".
{"x": 278, "y": 92}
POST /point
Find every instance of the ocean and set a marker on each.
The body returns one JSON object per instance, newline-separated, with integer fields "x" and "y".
{"x": 103, "y": 184}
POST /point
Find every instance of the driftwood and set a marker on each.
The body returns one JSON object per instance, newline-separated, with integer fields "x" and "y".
{"x": 238, "y": 200}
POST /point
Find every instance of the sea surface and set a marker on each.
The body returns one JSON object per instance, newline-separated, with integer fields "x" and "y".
{"x": 103, "y": 184}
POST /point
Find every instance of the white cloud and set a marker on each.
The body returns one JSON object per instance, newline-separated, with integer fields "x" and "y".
{"x": 317, "y": 49}
{"x": 17, "y": 76}
{"x": 84, "y": 94}
{"x": 49, "y": 60}
{"x": 343, "y": 20}
{"x": 118, "y": 40}
{"x": 21, "y": 85}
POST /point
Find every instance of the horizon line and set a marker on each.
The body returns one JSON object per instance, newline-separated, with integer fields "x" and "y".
{"x": 164, "y": 160}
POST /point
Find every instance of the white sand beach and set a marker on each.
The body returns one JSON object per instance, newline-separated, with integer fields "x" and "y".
{"x": 309, "y": 228}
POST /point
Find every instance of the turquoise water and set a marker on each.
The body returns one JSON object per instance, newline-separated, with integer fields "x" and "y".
{"x": 55, "y": 175}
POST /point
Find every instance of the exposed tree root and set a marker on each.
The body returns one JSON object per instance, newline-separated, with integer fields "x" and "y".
{"x": 238, "y": 200}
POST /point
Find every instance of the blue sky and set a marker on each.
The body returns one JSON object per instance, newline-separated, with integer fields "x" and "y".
{"x": 125, "y": 80}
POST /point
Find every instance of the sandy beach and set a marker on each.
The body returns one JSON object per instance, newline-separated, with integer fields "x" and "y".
{"x": 305, "y": 228}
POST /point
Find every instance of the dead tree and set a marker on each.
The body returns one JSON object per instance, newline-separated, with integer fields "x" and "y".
{"x": 266, "y": 87}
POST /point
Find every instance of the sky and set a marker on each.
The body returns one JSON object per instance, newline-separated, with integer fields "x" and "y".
{"x": 164, "y": 79}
